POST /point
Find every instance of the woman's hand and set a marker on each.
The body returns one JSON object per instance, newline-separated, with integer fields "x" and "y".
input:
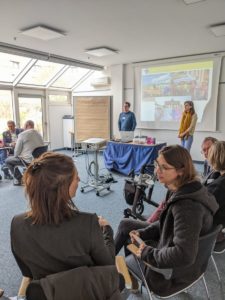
{"x": 140, "y": 249}
{"x": 102, "y": 221}
{"x": 133, "y": 232}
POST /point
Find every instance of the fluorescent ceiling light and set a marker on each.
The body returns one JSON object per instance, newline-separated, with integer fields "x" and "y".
{"x": 192, "y": 1}
{"x": 101, "y": 51}
{"x": 218, "y": 30}
{"x": 43, "y": 33}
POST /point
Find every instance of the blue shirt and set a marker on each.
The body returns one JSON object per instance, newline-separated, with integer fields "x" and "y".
{"x": 127, "y": 121}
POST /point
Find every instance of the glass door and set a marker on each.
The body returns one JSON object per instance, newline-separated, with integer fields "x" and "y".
{"x": 30, "y": 108}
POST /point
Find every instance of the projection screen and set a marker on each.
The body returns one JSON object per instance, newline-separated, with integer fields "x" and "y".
{"x": 162, "y": 89}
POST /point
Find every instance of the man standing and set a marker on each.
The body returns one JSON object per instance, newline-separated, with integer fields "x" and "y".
{"x": 127, "y": 120}
{"x": 27, "y": 141}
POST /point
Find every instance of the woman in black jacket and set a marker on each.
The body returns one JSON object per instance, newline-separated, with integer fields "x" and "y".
{"x": 187, "y": 215}
{"x": 53, "y": 236}
{"x": 216, "y": 160}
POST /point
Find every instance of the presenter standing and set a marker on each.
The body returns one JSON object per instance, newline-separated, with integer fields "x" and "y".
{"x": 127, "y": 120}
{"x": 187, "y": 125}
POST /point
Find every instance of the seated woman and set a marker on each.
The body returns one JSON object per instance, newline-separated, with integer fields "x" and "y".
{"x": 54, "y": 236}
{"x": 216, "y": 160}
{"x": 187, "y": 215}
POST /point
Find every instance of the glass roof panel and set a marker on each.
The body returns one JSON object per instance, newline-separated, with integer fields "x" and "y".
{"x": 70, "y": 77}
{"x": 11, "y": 65}
{"x": 41, "y": 73}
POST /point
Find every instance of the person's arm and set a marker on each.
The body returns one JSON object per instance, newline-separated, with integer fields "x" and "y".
{"x": 6, "y": 142}
{"x": 187, "y": 226}
{"x": 218, "y": 190}
{"x": 102, "y": 244}
{"x": 134, "y": 123}
{"x": 119, "y": 122}
{"x": 150, "y": 233}
{"x": 23, "y": 267}
{"x": 193, "y": 124}
{"x": 19, "y": 147}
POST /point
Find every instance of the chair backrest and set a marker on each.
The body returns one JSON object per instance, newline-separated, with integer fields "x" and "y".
{"x": 206, "y": 246}
{"x": 39, "y": 150}
{"x": 205, "y": 249}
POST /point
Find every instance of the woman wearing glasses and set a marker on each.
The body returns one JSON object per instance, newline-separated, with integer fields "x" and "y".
{"x": 187, "y": 214}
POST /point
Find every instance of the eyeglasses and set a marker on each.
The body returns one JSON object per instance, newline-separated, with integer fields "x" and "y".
{"x": 162, "y": 168}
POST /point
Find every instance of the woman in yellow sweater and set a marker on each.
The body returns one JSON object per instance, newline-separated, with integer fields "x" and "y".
{"x": 187, "y": 125}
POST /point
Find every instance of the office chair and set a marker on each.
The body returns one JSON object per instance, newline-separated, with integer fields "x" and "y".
{"x": 205, "y": 250}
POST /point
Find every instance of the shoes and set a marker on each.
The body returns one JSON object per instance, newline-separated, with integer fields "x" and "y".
{"x": 17, "y": 182}
{"x": 17, "y": 174}
{"x": 135, "y": 285}
{"x": 1, "y": 292}
{"x": 7, "y": 175}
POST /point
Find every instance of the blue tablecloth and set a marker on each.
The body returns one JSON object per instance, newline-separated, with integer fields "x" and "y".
{"x": 124, "y": 158}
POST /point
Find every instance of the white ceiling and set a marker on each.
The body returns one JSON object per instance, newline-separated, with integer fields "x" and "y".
{"x": 140, "y": 29}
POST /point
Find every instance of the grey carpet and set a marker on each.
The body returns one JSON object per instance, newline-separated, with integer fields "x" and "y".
{"x": 110, "y": 205}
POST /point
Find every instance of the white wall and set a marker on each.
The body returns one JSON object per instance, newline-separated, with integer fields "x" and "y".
{"x": 127, "y": 89}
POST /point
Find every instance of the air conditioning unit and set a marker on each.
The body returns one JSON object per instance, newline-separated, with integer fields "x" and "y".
{"x": 100, "y": 81}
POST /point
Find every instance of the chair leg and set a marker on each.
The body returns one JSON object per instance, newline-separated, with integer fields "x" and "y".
{"x": 218, "y": 275}
{"x": 215, "y": 266}
{"x": 206, "y": 288}
{"x": 144, "y": 280}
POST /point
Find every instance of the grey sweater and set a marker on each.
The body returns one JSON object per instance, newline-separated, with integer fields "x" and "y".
{"x": 27, "y": 141}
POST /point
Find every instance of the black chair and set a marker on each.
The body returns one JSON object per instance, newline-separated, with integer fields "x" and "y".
{"x": 205, "y": 250}
{"x": 39, "y": 150}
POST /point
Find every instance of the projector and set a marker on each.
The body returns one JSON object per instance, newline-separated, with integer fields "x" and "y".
{"x": 93, "y": 144}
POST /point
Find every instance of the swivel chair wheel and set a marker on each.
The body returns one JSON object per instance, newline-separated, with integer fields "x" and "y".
{"x": 108, "y": 188}
{"x": 97, "y": 193}
{"x": 82, "y": 190}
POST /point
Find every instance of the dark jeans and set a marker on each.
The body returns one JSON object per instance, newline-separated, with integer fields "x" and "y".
{"x": 122, "y": 235}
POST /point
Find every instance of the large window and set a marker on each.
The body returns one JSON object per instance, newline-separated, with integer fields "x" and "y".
{"x": 30, "y": 108}
{"x": 6, "y": 111}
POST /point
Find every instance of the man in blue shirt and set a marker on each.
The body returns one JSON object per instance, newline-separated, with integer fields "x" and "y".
{"x": 127, "y": 120}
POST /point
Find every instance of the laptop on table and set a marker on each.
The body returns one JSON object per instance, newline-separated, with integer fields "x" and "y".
{"x": 126, "y": 136}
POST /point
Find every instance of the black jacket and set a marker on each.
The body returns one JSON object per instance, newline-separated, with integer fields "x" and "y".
{"x": 41, "y": 250}
{"x": 188, "y": 214}
{"x": 217, "y": 188}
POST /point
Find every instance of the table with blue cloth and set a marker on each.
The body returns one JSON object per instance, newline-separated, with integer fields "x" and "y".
{"x": 125, "y": 157}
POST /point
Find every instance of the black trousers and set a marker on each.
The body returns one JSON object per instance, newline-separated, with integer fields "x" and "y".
{"x": 122, "y": 237}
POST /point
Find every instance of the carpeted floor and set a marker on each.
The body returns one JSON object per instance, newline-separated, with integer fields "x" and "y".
{"x": 109, "y": 204}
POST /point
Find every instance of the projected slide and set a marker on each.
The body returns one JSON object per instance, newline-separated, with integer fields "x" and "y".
{"x": 164, "y": 89}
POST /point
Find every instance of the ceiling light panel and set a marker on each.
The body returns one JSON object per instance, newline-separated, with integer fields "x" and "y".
{"x": 42, "y": 33}
{"x": 101, "y": 51}
{"x": 192, "y": 1}
{"x": 218, "y": 30}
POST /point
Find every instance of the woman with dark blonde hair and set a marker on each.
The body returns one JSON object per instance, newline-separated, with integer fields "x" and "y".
{"x": 53, "y": 236}
{"x": 216, "y": 159}
{"x": 187, "y": 215}
{"x": 187, "y": 125}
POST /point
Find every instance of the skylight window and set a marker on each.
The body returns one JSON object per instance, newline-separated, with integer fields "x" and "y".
{"x": 41, "y": 73}
{"x": 70, "y": 77}
{"x": 11, "y": 66}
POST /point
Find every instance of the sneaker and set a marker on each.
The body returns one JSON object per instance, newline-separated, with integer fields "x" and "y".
{"x": 17, "y": 182}
{"x": 17, "y": 174}
{"x": 7, "y": 175}
{"x": 1, "y": 292}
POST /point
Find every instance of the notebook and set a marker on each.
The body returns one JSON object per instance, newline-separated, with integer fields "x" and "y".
{"x": 126, "y": 136}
